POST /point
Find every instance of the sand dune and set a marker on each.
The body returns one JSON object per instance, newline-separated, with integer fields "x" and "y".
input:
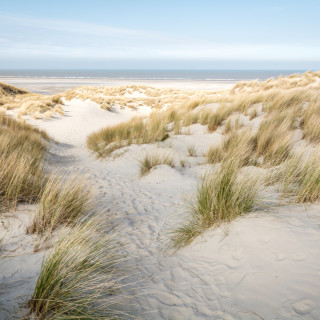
{"x": 265, "y": 265}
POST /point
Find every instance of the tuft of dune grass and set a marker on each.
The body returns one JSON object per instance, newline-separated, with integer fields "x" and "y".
{"x": 301, "y": 177}
{"x": 80, "y": 276}
{"x": 238, "y": 145}
{"x": 20, "y": 126}
{"x": 253, "y": 113}
{"x": 283, "y": 105}
{"x": 274, "y": 138}
{"x": 192, "y": 150}
{"x": 311, "y": 120}
{"x": 295, "y": 81}
{"x": 9, "y": 90}
{"x": 64, "y": 199}
{"x": 213, "y": 119}
{"x": 22, "y": 151}
{"x": 232, "y": 124}
{"x": 150, "y": 161}
{"x": 133, "y": 96}
{"x": 221, "y": 197}
{"x": 27, "y": 103}
{"x": 136, "y": 131}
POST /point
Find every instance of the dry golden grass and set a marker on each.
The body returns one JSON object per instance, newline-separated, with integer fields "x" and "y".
{"x": 285, "y": 105}
{"x": 284, "y": 108}
{"x": 136, "y": 131}
{"x": 22, "y": 150}
{"x": 27, "y": 103}
{"x": 311, "y": 120}
{"x": 221, "y": 197}
{"x": 20, "y": 126}
{"x": 288, "y": 104}
{"x": 274, "y": 138}
{"x": 306, "y": 80}
{"x": 242, "y": 102}
{"x": 150, "y": 161}
{"x": 23, "y": 179}
{"x": 9, "y": 90}
{"x": 232, "y": 124}
{"x": 133, "y": 96}
{"x": 192, "y": 150}
{"x": 80, "y": 276}
{"x": 152, "y": 129}
{"x": 239, "y": 146}
{"x": 63, "y": 200}
{"x": 300, "y": 177}
{"x": 280, "y": 100}
{"x": 253, "y": 113}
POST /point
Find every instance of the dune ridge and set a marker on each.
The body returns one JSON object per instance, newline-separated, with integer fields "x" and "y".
{"x": 239, "y": 259}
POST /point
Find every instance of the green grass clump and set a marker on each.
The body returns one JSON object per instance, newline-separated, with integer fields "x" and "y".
{"x": 221, "y": 197}
{"x": 79, "y": 277}
{"x": 150, "y": 161}
{"x": 63, "y": 200}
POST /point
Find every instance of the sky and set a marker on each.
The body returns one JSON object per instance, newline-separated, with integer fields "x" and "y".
{"x": 164, "y": 34}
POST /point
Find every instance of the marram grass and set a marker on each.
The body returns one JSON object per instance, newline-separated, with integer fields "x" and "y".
{"x": 22, "y": 150}
{"x": 300, "y": 177}
{"x": 63, "y": 200}
{"x": 80, "y": 276}
{"x": 221, "y": 197}
{"x": 151, "y": 160}
{"x": 238, "y": 145}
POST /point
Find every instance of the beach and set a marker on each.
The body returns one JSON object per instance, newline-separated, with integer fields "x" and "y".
{"x": 262, "y": 265}
{"x": 53, "y": 82}
{"x": 159, "y": 160}
{"x": 54, "y": 86}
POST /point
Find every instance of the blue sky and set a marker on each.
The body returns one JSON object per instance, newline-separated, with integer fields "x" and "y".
{"x": 174, "y": 34}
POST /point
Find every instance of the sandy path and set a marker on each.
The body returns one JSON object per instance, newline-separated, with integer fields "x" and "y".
{"x": 264, "y": 266}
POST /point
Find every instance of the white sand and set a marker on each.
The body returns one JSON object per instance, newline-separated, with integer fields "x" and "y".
{"x": 19, "y": 265}
{"x": 57, "y": 85}
{"x": 262, "y": 266}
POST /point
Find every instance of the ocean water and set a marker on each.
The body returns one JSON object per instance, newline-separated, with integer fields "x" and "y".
{"x": 203, "y": 75}
{"x": 57, "y": 81}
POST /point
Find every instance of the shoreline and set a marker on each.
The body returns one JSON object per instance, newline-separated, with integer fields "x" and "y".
{"x": 47, "y": 85}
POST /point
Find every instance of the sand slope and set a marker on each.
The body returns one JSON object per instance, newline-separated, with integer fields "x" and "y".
{"x": 263, "y": 266}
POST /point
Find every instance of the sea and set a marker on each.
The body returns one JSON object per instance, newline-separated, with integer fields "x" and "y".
{"x": 209, "y": 75}
{"x": 55, "y": 81}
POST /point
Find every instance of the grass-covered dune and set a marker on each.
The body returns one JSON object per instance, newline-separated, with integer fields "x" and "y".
{"x": 251, "y": 147}
{"x": 27, "y": 103}
{"x": 264, "y": 125}
{"x": 79, "y": 275}
{"x": 134, "y": 96}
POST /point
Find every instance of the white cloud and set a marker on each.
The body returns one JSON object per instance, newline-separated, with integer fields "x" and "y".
{"x": 191, "y": 51}
{"x": 73, "y": 26}
{"x": 96, "y": 41}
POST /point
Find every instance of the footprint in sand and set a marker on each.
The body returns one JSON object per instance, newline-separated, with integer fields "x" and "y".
{"x": 279, "y": 256}
{"x": 303, "y": 306}
{"x": 237, "y": 254}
